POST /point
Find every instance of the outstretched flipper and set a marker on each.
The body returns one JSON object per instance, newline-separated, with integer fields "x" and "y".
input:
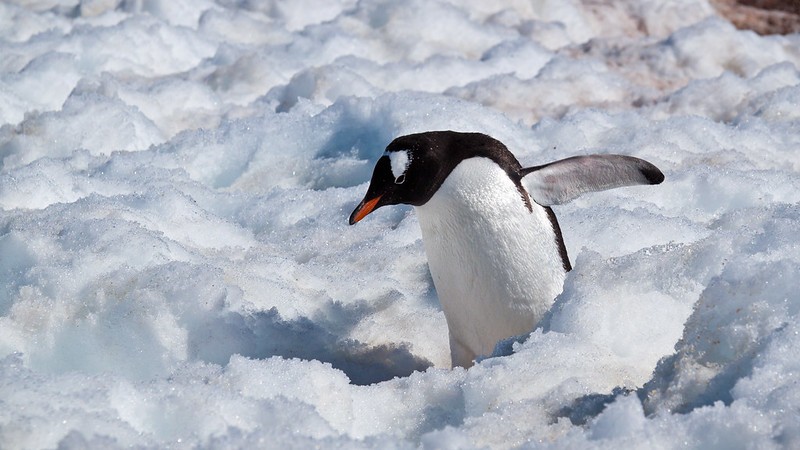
{"x": 561, "y": 181}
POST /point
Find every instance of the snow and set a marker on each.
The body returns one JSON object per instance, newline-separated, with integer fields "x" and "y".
{"x": 176, "y": 268}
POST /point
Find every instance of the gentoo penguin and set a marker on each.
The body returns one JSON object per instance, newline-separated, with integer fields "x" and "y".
{"x": 494, "y": 246}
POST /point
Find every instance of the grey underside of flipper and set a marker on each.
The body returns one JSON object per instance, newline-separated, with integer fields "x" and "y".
{"x": 564, "y": 180}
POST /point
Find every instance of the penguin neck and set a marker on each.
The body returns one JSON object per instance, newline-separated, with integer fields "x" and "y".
{"x": 494, "y": 259}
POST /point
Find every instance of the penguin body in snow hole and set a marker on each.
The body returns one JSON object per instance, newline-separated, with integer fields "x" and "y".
{"x": 493, "y": 243}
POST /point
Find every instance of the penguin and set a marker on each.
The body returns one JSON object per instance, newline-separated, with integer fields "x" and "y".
{"x": 494, "y": 247}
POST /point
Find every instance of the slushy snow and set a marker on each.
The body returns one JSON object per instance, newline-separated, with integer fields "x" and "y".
{"x": 176, "y": 268}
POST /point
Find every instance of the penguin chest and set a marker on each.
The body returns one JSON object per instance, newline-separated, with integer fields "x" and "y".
{"x": 495, "y": 263}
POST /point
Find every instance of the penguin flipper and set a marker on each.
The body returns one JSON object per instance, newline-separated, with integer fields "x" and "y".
{"x": 564, "y": 180}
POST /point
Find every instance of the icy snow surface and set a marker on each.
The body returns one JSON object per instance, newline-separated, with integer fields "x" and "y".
{"x": 176, "y": 267}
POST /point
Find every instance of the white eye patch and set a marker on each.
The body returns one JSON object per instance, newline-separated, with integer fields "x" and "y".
{"x": 399, "y": 160}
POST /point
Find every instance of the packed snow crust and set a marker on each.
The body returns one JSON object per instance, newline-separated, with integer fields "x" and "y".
{"x": 176, "y": 268}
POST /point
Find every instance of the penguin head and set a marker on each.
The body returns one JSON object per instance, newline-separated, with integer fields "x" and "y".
{"x": 405, "y": 173}
{"x": 413, "y": 167}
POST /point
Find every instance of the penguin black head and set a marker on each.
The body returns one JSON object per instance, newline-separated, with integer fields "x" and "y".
{"x": 414, "y": 166}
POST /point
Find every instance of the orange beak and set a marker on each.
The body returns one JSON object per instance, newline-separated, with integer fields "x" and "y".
{"x": 363, "y": 209}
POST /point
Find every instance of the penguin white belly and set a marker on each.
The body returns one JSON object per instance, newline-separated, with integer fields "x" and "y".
{"x": 495, "y": 264}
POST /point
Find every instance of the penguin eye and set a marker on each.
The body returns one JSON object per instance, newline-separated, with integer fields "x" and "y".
{"x": 398, "y": 163}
